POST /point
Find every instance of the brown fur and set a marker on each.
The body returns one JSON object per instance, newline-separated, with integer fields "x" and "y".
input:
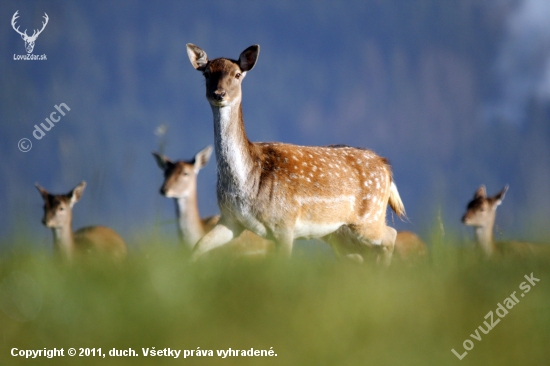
{"x": 92, "y": 239}
{"x": 101, "y": 240}
{"x": 180, "y": 183}
{"x": 409, "y": 247}
{"x": 281, "y": 191}
{"x": 481, "y": 214}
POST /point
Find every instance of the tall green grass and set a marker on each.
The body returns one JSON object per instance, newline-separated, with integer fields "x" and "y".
{"x": 311, "y": 311}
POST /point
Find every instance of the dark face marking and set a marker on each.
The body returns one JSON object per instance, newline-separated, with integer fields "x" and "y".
{"x": 223, "y": 80}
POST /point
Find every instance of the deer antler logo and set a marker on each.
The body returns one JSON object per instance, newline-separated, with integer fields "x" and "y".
{"x": 29, "y": 41}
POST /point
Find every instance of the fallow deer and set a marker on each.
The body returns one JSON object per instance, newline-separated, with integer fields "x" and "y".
{"x": 481, "y": 214}
{"x": 283, "y": 192}
{"x": 58, "y": 216}
{"x": 180, "y": 183}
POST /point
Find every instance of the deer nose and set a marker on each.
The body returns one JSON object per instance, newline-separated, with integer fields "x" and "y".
{"x": 464, "y": 219}
{"x": 219, "y": 94}
{"x": 162, "y": 191}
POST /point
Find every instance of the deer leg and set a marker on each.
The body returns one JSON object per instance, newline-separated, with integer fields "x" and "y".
{"x": 283, "y": 243}
{"x": 387, "y": 247}
{"x": 357, "y": 239}
{"x": 218, "y": 236}
{"x": 345, "y": 245}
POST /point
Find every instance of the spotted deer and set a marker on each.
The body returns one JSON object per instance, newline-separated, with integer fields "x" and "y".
{"x": 68, "y": 244}
{"x": 481, "y": 214}
{"x": 180, "y": 183}
{"x": 283, "y": 192}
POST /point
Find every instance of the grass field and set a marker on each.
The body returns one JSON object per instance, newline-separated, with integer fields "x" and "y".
{"x": 309, "y": 311}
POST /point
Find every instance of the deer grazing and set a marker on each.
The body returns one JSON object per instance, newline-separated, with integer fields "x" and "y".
{"x": 481, "y": 214}
{"x": 58, "y": 216}
{"x": 180, "y": 183}
{"x": 283, "y": 192}
{"x": 29, "y": 41}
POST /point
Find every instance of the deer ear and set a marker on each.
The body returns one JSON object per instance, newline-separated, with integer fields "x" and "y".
{"x": 162, "y": 161}
{"x": 76, "y": 193}
{"x": 248, "y": 57}
{"x": 197, "y": 56}
{"x": 202, "y": 157}
{"x": 500, "y": 195}
{"x": 42, "y": 191}
{"x": 481, "y": 192}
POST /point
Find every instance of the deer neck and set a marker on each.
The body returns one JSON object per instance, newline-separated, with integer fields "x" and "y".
{"x": 484, "y": 238}
{"x": 234, "y": 158}
{"x": 63, "y": 240}
{"x": 189, "y": 221}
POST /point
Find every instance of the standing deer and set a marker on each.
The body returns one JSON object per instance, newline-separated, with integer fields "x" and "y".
{"x": 180, "y": 183}
{"x": 283, "y": 192}
{"x": 29, "y": 41}
{"x": 481, "y": 214}
{"x": 58, "y": 216}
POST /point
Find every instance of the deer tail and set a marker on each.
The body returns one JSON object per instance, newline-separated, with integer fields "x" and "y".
{"x": 395, "y": 201}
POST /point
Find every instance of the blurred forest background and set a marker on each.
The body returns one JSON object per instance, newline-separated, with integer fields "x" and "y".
{"x": 454, "y": 93}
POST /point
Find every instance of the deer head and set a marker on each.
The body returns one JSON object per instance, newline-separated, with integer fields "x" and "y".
{"x": 58, "y": 207}
{"x": 29, "y": 41}
{"x": 481, "y": 209}
{"x": 180, "y": 177}
{"x": 223, "y": 76}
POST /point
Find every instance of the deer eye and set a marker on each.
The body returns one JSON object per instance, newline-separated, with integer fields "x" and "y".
{"x": 238, "y": 75}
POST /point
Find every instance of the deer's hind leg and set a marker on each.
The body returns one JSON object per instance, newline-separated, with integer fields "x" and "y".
{"x": 387, "y": 246}
{"x": 353, "y": 241}
{"x": 344, "y": 245}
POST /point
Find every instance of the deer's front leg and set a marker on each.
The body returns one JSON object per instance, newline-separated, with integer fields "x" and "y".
{"x": 218, "y": 236}
{"x": 284, "y": 242}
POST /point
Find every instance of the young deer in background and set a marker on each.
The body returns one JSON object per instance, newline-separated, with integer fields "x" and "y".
{"x": 180, "y": 183}
{"x": 409, "y": 247}
{"x": 481, "y": 214}
{"x": 58, "y": 216}
{"x": 283, "y": 192}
